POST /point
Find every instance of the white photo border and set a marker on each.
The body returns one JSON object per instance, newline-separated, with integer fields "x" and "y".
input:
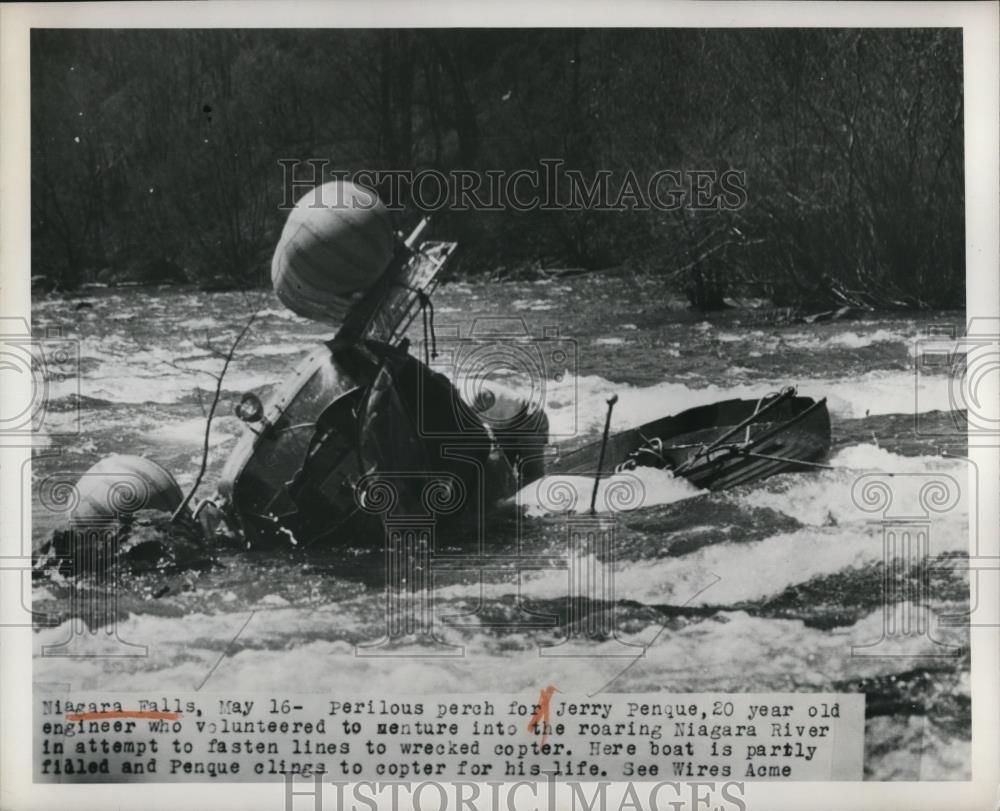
{"x": 979, "y": 22}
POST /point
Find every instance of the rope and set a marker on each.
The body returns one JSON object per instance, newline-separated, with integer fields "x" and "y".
{"x": 704, "y": 449}
{"x": 756, "y": 410}
{"x": 427, "y": 357}
{"x": 427, "y": 308}
{"x": 427, "y": 313}
{"x": 653, "y": 446}
{"x": 783, "y": 459}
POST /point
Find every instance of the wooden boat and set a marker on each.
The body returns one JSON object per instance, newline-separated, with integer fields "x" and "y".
{"x": 717, "y": 446}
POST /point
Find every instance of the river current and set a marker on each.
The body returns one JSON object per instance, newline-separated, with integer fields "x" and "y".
{"x": 776, "y": 586}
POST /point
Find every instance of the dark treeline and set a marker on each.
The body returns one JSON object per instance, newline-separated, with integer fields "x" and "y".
{"x": 155, "y": 153}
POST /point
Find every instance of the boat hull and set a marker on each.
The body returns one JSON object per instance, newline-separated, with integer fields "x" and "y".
{"x": 701, "y": 445}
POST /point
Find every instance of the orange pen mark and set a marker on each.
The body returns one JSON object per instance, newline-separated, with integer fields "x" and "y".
{"x": 542, "y": 713}
{"x": 97, "y": 716}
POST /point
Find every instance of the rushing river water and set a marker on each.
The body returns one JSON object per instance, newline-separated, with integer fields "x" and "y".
{"x": 761, "y": 588}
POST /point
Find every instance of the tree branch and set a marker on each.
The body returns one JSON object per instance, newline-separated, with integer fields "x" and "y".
{"x": 211, "y": 415}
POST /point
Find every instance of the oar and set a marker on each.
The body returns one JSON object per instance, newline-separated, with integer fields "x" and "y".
{"x": 604, "y": 445}
{"x": 782, "y": 396}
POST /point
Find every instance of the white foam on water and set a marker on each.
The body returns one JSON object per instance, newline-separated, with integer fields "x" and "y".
{"x": 913, "y": 747}
{"x": 284, "y": 314}
{"x": 312, "y": 647}
{"x": 125, "y": 369}
{"x": 279, "y": 350}
{"x": 726, "y": 572}
{"x": 932, "y": 486}
{"x": 192, "y": 432}
{"x": 205, "y": 322}
{"x": 774, "y": 654}
{"x": 534, "y": 305}
{"x": 854, "y": 340}
{"x": 124, "y": 384}
{"x": 577, "y": 405}
{"x": 821, "y": 337}
{"x": 643, "y": 487}
{"x": 846, "y": 340}
{"x": 885, "y": 393}
{"x": 120, "y": 370}
{"x": 203, "y": 633}
{"x": 761, "y": 569}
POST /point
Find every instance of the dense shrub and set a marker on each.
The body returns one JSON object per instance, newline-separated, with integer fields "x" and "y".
{"x": 160, "y": 149}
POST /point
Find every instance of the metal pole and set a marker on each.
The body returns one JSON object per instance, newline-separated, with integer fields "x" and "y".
{"x": 604, "y": 445}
